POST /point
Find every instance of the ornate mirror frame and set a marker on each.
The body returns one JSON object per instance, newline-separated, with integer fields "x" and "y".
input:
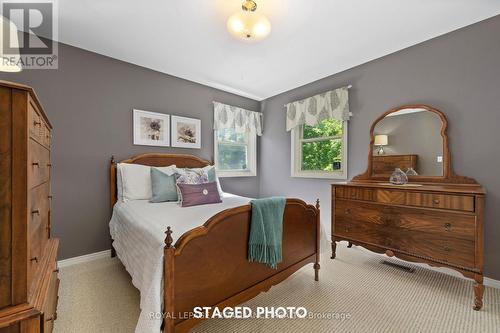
{"x": 448, "y": 176}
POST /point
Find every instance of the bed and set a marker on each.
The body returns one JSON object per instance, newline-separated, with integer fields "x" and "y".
{"x": 200, "y": 252}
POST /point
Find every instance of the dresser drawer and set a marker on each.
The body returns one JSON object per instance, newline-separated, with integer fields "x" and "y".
{"x": 38, "y": 164}
{"x": 390, "y": 196}
{"x": 354, "y": 193}
{"x": 459, "y": 226}
{"x": 440, "y": 236}
{"x": 421, "y": 244}
{"x": 443, "y": 201}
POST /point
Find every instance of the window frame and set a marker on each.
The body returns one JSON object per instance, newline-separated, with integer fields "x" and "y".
{"x": 251, "y": 157}
{"x": 296, "y": 155}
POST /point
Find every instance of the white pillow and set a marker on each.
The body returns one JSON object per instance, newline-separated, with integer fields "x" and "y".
{"x": 119, "y": 186}
{"x": 136, "y": 181}
{"x": 168, "y": 170}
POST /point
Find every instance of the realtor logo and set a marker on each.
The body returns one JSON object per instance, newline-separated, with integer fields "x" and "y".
{"x": 34, "y": 24}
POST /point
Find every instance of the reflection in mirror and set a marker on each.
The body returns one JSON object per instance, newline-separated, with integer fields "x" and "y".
{"x": 409, "y": 139}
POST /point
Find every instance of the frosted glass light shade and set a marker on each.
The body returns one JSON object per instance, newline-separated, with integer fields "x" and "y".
{"x": 9, "y": 62}
{"x": 249, "y": 25}
{"x": 381, "y": 140}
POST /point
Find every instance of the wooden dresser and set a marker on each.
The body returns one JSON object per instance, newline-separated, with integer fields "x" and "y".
{"x": 28, "y": 255}
{"x": 385, "y": 164}
{"x": 438, "y": 220}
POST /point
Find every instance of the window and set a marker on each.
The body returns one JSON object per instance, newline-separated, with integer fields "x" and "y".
{"x": 320, "y": 151}
{"x": 235, "y": 153}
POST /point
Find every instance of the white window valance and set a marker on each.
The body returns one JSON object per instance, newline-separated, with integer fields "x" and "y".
{"x": 241, "y": 120}
{"x": 332, "y": 104}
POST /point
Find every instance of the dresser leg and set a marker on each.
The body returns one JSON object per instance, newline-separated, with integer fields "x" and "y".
{"x": 478, "y": 293}
{"x": 349, "y": 245}
{"x": 316, "y": 271}
{"x": 334, "y": 249}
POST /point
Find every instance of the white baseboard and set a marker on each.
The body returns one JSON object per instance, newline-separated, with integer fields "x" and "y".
{"x": 491, "y": 283}
{"x": 84, "y": 258}
{"x": 107, "y": 253}
{"x": 487, "y": 281}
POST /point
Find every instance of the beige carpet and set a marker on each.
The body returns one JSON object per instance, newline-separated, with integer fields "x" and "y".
{"x": 99, "y": 297}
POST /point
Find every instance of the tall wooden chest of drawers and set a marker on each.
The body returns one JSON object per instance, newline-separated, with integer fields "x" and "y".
{"x": 28, "y": 267}
{"x": 438, "y": 224}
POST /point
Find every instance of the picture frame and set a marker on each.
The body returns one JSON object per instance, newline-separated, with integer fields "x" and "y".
{"x": 151, "y": 128}
{"x": 186, "y": 132}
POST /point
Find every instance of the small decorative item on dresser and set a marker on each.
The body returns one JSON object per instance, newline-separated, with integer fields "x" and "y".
{"x": 411, "y": 172}
{"x": 398, "y": 177}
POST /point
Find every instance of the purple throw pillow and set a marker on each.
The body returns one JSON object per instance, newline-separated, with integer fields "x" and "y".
{"x": 199, "y": 194}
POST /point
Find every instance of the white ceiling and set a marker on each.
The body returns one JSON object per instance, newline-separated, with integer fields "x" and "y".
{"x": 310, "y": 39}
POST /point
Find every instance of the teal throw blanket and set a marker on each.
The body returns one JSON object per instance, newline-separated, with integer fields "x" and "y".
{"x": 266, "y": 231}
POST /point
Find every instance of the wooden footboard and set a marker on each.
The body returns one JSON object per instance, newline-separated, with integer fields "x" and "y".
{"x": 208, "y": 265}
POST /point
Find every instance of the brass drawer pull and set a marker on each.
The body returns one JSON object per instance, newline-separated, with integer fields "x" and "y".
{"x": 36, "y": 211}
{"x": 49, "y": 196}
{"x": 49, "y": 165}
{"x": 447, "y": 226}
{"x": 36, "y": 163}
{"x": 436, "y": 201}
{"x": 35, "y": 259}
{"x": 37, "y": 123}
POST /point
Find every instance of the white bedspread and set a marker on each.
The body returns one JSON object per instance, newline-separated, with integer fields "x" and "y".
{"x": 138, "y": 229}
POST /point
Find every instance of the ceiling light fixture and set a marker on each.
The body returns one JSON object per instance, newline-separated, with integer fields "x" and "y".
{"x": 247, "y": 24}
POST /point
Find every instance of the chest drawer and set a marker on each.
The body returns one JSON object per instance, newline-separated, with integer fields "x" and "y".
{"x": 442, "y": 201}
{"x": 38, "y": 219}
{"x": 35, "y": 123}
{"x": 38, "y": 164}
{"x": 355, "y": 193}
{"x": 50, "y": 305}
{"x": 442, "y": 236}
{"x": 460, "y": 226}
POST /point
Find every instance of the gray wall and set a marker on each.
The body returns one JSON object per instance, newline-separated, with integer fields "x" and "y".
{"x": 418, "y": 134}
{"x": 89, "y": 101}
{"x": 458, "y": 73}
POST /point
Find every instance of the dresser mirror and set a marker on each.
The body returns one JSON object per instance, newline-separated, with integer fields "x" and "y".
{"x": 409, "y": 139}
{"x": 412, "y": 138}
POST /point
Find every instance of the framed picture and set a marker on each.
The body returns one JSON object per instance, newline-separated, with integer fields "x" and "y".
{"x": 186, "y": 132}
{"x": 151, "y": 128}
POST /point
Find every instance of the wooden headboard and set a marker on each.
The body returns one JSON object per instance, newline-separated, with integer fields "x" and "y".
{"x": 158, "y": 160}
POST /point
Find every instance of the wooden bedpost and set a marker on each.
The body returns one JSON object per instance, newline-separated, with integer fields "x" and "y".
{"x": 318, "y": 241}
{"x": 168, "y": 284}
{"x": 113, "y": 197}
